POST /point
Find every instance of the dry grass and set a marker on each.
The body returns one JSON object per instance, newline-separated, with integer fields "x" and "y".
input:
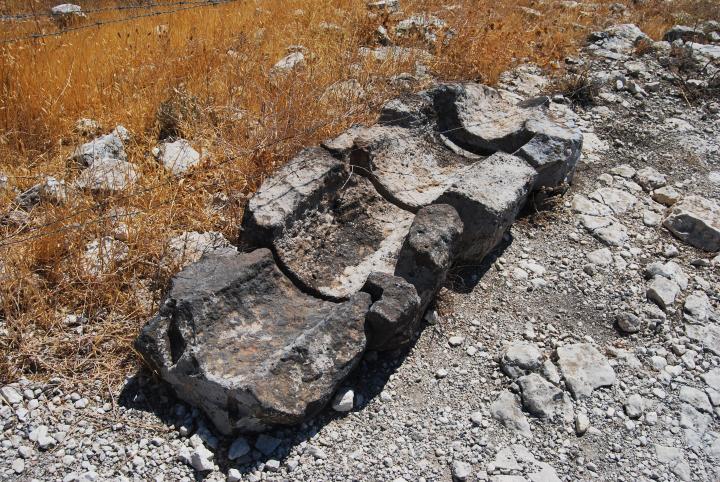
{"x": 248, "y": 120}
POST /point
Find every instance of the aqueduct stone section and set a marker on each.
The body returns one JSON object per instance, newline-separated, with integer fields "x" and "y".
{"x": 348, "y": 245}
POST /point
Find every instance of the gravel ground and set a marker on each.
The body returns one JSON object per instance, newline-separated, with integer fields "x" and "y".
{"x": 548, "y": 362}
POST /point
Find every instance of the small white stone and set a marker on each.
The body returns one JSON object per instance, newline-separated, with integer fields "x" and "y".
{"x": 234, "y": 475}
{"x": 18, "y": 466}
{"x": 582, "y": 423}
{"x": 456, "y": 340}
{"x": 344, "y": 400}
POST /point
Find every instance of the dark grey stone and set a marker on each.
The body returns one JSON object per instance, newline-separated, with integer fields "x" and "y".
{"x": 238, "y": 340}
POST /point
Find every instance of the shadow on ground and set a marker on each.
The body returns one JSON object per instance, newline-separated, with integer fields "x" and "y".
{"x": 145, "y": 392}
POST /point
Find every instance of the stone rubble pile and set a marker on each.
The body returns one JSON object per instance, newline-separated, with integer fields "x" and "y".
{"x": 352, "y": 241}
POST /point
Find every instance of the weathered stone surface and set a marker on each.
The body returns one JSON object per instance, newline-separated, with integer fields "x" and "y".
{"x": 663, "y": 292}
{"x": 395, "y": 313}
{"x": 520, "y": 359}
{"x": 237, "y": 339}
{"x": 342, "y": 145}
{"x": 190, "y": 246}
{"x": 544, "y": 400}
{"x": 479, "y": 119}
{"x": 618, "y": 200}
{"x": 429, "y": 250}
{"x": 488, "y": 198}
{"x": 406, "y": 166}
{"x": 335, "y": 246}
{"x": 617, "y": 41}
{"x": 506, "y": 409}
{"x": 329, "y": 228}
{"x": 177, "y": 157}
{"x": 696, "y": 221}
{"x": 107, "y": 146}
{"x": 553, "y": 151}
{"x": 411, "y": 110}
{"x": 650, "y": 179}
{"x": 108, "y": 175}
{"x": 426, "y": 256}
{"x": 584, "y": 369}
{"x": 293, "y": 189}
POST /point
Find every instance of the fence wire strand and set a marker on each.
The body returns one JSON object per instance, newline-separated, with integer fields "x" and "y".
{"x": 189, "y": 5}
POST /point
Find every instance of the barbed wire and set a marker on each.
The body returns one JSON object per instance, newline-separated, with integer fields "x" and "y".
{"x": 192, "y": 5}
{"x": 147, "y": 6}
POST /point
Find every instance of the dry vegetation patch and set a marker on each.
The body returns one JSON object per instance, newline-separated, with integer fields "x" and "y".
{"x": 206, "y": 73}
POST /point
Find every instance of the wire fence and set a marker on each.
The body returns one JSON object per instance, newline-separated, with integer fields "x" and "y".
{"x": 183, "y": 6}
{"x": 116, "y": 8}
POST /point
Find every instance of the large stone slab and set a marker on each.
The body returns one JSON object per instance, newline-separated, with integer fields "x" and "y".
{"x": 479, "y": 119}
{"x": 293, "y": 189}
{"x": 239, "y": 340}
{"x": 334, "y": 247}
{"x": 488, "y": 199}
{"x": 408, "y": 167}
{"x": 328, "y": 226}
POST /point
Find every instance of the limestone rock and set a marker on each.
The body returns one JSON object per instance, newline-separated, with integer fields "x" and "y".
{"x": 666, "y": 195}
{"x": 407, "y": 166}
{"x": 237, "y": 339}
{"x": 634, "y": 406}
{"x": 520, "y": 359}
{"x": 190, "y": 246}
{"x": 289, "y": 62}
{"x": 506, "y": 409}
{"x": 650, "y": 179}
{"x": 618, "y": 200}
{"x": 628, "y": 323}
{"x": 394, "y": 315}
{"x": 488, "y": 198}
{"x": 108, "y": 175}
{"x": 663, "y": 292}
{"x": 103, "y": 255}
{"x": 344, "y": 400}
{"x": 697, "y": 308}
{"x": 544, "y": 400}
{"x": 696, "y": 221}
{"x": 617, "y": 41}
{"x": 584, "y": 369}
{"x": 108, "y": 146}
{"x": 177, "y": 157}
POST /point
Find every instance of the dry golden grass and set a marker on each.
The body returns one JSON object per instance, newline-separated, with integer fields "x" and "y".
{"x": 249, "y": 121}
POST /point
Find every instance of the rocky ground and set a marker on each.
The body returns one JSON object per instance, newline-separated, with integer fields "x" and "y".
{"x": 586, "y": 347}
